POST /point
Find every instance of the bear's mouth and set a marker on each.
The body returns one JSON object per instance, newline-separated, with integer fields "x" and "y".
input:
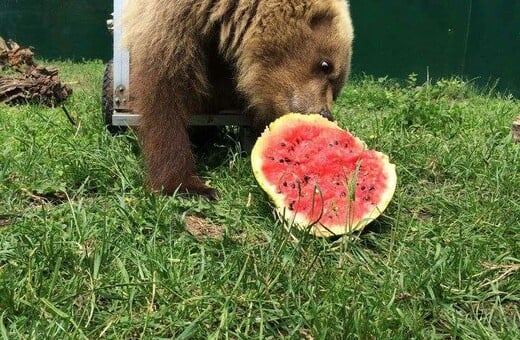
{"x": 299, "y": 104}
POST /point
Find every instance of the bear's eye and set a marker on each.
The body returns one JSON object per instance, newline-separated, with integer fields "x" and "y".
{"x": 325, "y": 67}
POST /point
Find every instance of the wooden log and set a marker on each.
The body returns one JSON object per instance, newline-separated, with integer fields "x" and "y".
{"x": 35, "y": 84}
{"x": 15, "y": 57}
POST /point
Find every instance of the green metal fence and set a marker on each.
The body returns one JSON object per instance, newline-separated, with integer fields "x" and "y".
{"x": 478, "y": 39}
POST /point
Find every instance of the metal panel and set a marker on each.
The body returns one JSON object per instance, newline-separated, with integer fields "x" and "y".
{"x": 220, "y": 119}
{"x": 125, "y": 119}
{"x": 121, "y": 60}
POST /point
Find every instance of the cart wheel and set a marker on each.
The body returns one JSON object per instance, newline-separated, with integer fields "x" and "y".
{"x": 107, "y": 100}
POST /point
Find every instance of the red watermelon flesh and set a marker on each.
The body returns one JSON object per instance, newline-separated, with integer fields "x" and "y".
{"x": 320, "y": 177}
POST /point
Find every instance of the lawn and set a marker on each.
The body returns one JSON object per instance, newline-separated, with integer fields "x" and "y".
{"x": 85, "y": 252}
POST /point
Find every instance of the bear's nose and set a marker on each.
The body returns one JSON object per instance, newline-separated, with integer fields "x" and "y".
{"x": 327, "y": 114}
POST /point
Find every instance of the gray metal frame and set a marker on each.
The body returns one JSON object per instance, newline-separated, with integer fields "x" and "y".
{"x": 123, "y": 114}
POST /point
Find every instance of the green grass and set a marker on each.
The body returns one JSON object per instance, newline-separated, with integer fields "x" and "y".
{"x": 85, "y": 252}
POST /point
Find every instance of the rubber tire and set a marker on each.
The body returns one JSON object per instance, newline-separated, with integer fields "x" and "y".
{"x": 107, "y": 100}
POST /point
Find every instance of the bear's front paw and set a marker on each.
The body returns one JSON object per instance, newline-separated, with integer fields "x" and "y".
{"x": 194, "y": 185}
{"x": 211, "y": 194}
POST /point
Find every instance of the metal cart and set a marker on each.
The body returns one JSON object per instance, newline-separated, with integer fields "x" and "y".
{"x": 116, "y": 105}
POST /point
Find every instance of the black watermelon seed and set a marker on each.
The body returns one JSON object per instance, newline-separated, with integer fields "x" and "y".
{"x": 363, "y": 187}
{"x": 336, "y": 142}
{"x": 284, "y": 184}
{"x": 282, "y": 144}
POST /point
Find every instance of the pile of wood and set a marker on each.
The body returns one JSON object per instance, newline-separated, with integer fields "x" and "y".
{"x": 30, "y": 83}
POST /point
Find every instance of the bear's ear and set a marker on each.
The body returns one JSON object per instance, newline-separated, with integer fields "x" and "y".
{"x": 320, "y": 20}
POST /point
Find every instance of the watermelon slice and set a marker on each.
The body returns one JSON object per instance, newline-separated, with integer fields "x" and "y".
{"x": 320, "y": 177}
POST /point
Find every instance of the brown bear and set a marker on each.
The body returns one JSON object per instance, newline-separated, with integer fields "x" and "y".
{"x": 268, "y": 57}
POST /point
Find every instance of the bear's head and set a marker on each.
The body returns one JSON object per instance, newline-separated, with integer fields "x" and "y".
{"x": 296, "y": 59}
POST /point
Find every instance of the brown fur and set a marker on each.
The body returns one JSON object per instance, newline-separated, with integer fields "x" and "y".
{"x": 191, "y": 56}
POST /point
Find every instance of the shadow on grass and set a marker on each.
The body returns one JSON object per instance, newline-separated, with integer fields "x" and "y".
{"x": 381, "y": 225}
{"x": 210, "y": 144}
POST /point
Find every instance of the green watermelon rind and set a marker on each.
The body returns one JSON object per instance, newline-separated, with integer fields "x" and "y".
{"x": 295, "y": 218}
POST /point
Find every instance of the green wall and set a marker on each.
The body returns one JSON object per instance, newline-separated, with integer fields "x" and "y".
{"x": 67, "y": 29}
{"x": 479, "y": 39}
